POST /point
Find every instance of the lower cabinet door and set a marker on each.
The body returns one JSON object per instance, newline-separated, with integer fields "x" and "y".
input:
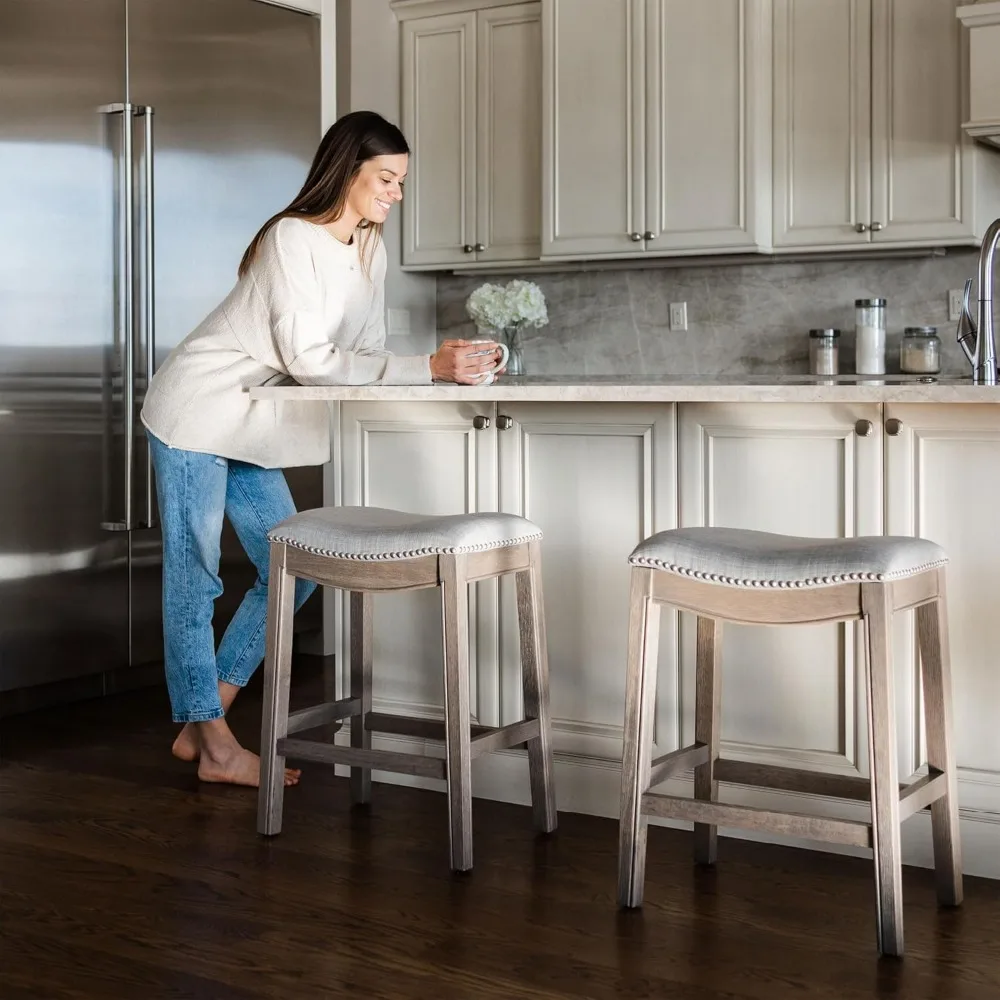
{"x": 427, "y": 458}
{"x": 596, "y": 478}
{"x": 790, "y": 695}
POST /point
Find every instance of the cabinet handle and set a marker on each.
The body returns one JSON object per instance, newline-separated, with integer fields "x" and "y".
{"x": 876, "y": 227}
{"x": 647, "y": 235}
{"x": 861, "y": 228}
{"x": 893, "y": 426}
{"x": 468, "y": 248}
{"x": 635, "y": 237}
{"x": 480, "y": 422}
{"x": 480, "y": 247}
{"x": 504, "y": 423}
{"x": 863, "y": 428}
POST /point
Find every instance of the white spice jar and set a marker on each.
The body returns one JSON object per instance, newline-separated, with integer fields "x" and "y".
{"x": 870, "y": 336}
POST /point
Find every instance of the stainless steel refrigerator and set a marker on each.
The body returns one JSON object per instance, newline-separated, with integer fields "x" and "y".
{"x": 142, "y": 143}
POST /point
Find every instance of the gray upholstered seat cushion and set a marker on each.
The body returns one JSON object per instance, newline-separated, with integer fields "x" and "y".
{"x": 737, "y": 558}
{"x": 380, "y": 534}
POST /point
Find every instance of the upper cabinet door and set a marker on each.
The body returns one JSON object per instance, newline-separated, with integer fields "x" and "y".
{"x": 439, "y": 120}
{"x": 922, "y": 183}
{"x": 822, "y": 122}
{"x": 509, "y": 176}
{"x": 706, "y": 68}
{"x": 593, "y": 86}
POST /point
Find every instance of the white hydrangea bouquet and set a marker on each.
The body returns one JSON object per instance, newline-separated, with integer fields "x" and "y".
{"x": 504, "y": 310}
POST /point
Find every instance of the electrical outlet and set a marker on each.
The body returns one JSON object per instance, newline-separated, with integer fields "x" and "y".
{"x": 955, "y": 297}
{"x": 678, "y": 315}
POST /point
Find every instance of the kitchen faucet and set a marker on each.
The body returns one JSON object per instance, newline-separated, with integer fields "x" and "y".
{"x": 978, "y": 339}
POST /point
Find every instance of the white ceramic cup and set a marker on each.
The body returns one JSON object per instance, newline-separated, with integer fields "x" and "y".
{"x": 487, "y": 377}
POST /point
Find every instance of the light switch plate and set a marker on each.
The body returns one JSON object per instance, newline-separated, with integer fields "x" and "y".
{"x": 399, "y": 322}
{"x": 678, "y": 315}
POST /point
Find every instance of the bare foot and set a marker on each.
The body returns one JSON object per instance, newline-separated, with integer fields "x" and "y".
{"x": 238, "y": 767}
{"x": 187, "y": 746}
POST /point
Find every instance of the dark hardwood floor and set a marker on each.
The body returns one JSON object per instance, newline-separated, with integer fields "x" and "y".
{"x": 122, "y": 878}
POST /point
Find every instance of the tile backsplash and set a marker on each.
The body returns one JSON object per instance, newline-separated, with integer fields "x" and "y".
{"x": 743, "y": 319}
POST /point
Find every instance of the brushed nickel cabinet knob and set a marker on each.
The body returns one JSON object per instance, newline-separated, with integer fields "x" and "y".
{"x": 504, "y": 423}
{"x": 635, "y": 237}
{"x": 468, "y": 248}
{"x": 893, "y": 427}
{"x": 480, "y": 422}
{"x": 480, "y": 247}
{"x": 876, "y": 227}
{"x": 861, "y": 228}
{"x": 648, "y": 235}
{"x": 863, "y": 428}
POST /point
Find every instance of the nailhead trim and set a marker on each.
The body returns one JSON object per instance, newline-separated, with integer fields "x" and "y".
{"x": 451, "y": 550}
{"x": 815, "y": 581}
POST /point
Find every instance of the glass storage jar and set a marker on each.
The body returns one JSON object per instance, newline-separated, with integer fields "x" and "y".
{"x": 824, "y": 352}
{"x": 870, "y": 329}
{"x": 920, "y": 351}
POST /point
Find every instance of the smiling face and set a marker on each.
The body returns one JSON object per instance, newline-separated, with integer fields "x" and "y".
{"x": 378, "y": 185}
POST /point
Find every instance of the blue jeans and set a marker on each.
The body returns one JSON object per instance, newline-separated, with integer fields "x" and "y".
{"x": 194, "y": 491}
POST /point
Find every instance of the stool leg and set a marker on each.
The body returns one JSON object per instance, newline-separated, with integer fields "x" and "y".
{"x": 640, "y": 689}
{"x": 876, "y": 606}
{"x": 535, "y": 678}
{"x": 935, "y": 661}
{"x": 361, "y": 688}
{"x": 277, "y": 678}
{"x": 457, "y": 720}
{"x": 706, "y": 730}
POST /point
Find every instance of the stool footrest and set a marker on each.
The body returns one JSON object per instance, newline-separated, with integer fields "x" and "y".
{"x": 405, "y": 725}
{"x": 822, "y": 828}
{"x": 792, "y": 779}
{"x": 377, "y": 760}
{"x": 677, "y": 760}
{"x": 331, "y": 711}
{"x": 922, "y": 793}
{"x": 505, "y": 737}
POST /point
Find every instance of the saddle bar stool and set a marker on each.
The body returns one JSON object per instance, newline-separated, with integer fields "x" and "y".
{"x": 758, "y": 578}
{"x": 369, "y": 550}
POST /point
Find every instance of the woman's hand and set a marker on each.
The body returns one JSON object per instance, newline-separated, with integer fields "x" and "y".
{"x": 459, "y": 361}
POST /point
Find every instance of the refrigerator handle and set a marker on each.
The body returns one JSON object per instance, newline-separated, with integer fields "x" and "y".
{"x": 148, "y": 286}
{"x": 125, "y": 306}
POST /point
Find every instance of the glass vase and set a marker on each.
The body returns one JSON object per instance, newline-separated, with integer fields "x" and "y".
{"x": 510, "y": 336}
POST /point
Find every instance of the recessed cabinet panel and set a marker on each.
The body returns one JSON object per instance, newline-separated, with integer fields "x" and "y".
{"x": 942, "y": 483}
{"x": 700, "y": 68}
{"x": 596, "y": 479}
{"x": 439, "y": 109}
{"x": 509, "y": 181}
{"x": 822, "y": 116}
{"x": 590, "y": 116}
{"x": 789, "y": 693}
{"x": 426, "y": 458}
{"x": 921, "y": 188}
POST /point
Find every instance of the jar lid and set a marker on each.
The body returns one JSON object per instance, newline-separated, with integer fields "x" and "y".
{"x": 868, "y": 303}
{"x": 920, "y": 331}
{"x": 824, "y": 333}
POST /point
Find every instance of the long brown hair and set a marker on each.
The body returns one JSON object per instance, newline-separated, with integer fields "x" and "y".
{"x": 348, "y": 143}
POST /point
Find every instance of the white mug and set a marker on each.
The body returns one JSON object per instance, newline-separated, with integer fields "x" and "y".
{"x": 487, "y": 377}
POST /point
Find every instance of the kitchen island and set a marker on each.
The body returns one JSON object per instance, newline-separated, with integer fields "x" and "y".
{"x": 599, "y": 463}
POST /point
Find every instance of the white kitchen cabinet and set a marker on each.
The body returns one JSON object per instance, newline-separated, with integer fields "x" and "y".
{"x": 790, "y": 695}
{"x": 597, "y": 478}
{"x": 867, "y": 140}
{"x": 427, "y": 458}
{"x": 471, "y": 110}
{"x": 652, "y": 126}
{"x": 943, "y": 483}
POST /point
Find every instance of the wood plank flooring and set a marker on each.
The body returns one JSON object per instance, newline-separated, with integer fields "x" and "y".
{"x": 122, "y": 878}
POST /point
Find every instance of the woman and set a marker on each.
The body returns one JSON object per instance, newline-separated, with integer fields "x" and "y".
{"x": 308, "y": 304}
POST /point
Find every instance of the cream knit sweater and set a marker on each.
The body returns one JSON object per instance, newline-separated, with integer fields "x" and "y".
{"x": 305, "y": 312}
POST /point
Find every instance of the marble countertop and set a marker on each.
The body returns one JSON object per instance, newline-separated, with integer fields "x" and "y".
{"x": 660, "y": 389}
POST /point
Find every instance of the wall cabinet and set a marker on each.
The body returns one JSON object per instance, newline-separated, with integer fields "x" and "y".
{"x": 471, "y": 110}
{"x": 651, "y": 126}
{"x": 599, "y": 477}
{"x": 868, "y": 141}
